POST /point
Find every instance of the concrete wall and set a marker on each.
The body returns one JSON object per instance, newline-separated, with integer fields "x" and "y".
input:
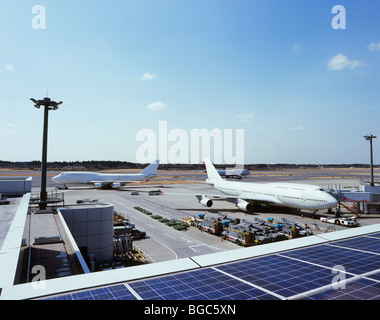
{"x": 15, "y": 186}
{"x": 92, "y": 227}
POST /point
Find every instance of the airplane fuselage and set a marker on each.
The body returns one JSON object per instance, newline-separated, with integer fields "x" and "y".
{"x": 301, "y": 196}
{"x": 89, "y": 177}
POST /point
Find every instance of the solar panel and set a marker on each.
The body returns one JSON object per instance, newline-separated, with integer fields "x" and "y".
{"x": 374, "y": 235}
{"x": 355, "y": 262}
{"x": 367, "y": 244}
{"x": 280, "y": 275}
{"x": 305, "y": 273}
{"x": 204, "y": 284}
{"x": 116, "y": 292}
{"x": 362, "y": 289}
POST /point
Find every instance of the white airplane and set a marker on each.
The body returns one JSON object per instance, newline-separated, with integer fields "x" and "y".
{"x": 245, "y": 194}
{"x": 231, "y": 173}
{"x": 103, "y": 180}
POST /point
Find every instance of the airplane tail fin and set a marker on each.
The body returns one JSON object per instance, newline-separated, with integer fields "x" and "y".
{"x": 212, "y": 175}
{"x": 150, "y": 170}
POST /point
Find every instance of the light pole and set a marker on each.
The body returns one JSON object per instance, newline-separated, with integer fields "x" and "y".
{"x": 369, "y": 138}
{"x": 49, "y": 105}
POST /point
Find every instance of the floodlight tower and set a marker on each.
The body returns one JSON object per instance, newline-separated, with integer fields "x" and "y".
{"x": 48, "y": 105}
{"x": 369, "y": 138}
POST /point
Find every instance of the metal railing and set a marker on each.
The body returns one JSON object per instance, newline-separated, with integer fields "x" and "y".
{"x": 53, "y": 198}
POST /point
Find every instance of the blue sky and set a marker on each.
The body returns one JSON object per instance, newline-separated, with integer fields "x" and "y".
{"x": 302, "y": 91}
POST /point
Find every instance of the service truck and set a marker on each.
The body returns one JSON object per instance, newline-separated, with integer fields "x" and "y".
{"x": 239, "y": 234}
{"x": 211, "y": 225}
{"x": 346, "y": 221}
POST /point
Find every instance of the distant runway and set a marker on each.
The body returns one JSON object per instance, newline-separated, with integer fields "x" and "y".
{"x": 165, "y": 243}
{"x": 317, "y": 176}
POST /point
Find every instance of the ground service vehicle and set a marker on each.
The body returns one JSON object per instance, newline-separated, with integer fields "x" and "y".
{"x": 155, "y": 192}
{"x": 347, "y": 221}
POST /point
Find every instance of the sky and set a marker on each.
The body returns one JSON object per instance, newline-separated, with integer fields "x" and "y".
{"x": 300, "y": 80}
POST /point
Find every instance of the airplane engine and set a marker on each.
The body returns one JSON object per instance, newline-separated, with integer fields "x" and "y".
{"x": 116, "y": 185}
{"x": 244, "y": 205}
{"x": 206, "y": 202}
{"x": 97, "y": 185}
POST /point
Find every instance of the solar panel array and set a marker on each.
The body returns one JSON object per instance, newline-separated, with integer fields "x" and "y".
{"x": 346, "y": 269}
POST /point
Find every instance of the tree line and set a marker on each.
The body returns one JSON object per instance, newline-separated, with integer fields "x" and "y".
{"x": 115, "y": 165}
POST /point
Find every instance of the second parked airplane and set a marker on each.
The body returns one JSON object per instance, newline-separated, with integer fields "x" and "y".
{"x": 103, "y": 180}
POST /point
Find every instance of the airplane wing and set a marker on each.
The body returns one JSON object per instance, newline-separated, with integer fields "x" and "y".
{"x": 118, "y": 181}
{"x": 234, "y": 176}
{"x": 244, "y": 196}
{"x": 259, "y": 198}
{"x": 107, "y": 182}
{"x": 115, "y": 184}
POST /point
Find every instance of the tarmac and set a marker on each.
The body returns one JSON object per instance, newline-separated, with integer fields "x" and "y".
{"x": 164, "y": 243}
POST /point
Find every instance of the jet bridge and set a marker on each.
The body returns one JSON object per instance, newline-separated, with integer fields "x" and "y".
{"x": 366, "y": 197}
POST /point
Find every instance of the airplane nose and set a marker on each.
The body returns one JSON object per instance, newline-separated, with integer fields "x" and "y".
{"x": 332, "y": 201}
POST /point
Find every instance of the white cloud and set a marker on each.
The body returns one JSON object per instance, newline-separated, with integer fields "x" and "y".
{"x": 245, "y": 117}
{"x": 297, "y": 128}
{"x": 10, "y": 132}
{"x": 296, "y": 47}
{"x": 156, "y": 106}
{"x": 9, "y": 67}
{"x": 149, "y": 76}
{"x": 374, "y": 46}
{"x": 9, "y": 127}
{"x": 340, "y": 62}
